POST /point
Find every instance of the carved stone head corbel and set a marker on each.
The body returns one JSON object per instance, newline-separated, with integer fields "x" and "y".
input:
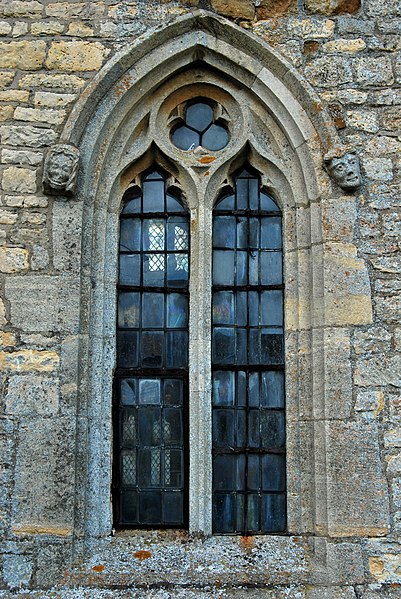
{"x": 345, "y": 170}
{"x": 60, "y": 170}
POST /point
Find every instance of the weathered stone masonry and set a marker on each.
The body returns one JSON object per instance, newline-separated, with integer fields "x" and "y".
{"x": 319, "y": 77}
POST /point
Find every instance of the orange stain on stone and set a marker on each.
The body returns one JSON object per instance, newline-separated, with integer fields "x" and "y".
{"x": 142, "y": 554}
{"x": 207, "y": 159}
{"x": 98, "y": 568}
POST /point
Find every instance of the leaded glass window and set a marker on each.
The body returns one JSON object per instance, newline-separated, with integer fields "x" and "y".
{"x": 152, "y": 358}
{"x": 248, "y": 362}
{"x": 199, "y": 128}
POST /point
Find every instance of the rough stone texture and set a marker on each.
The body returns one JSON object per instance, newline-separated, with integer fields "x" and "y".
{"x": 332, "y": 7}
{"x": 19, "y": 180}
{"x": 13, "y": 259}
{"x": 24, "y": 55}
{"x": 32, "y": 395}
{"x": 76, "y": 56}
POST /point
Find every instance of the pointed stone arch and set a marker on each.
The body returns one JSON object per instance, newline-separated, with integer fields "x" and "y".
{"x": 116, "y": 133}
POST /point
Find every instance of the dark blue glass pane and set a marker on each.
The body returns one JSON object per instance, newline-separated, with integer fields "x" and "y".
{"x": 254, "y": 239}
{"x": 252, "y": 516}
{"x": 127, "y": 349}
{"x": 253, "y": 429}
{"x": 241, "y": 277}
{"x": 150, "y": 507}
{"x": 185, "y": 138}
{"x": 223, "y": 428}
{"x": 242, "y": 232}
{"x": 173, "y": 204}
{"x": 223, "y": 307}
{"x": 240, "y": 519}
{"x": 172, "y": 426}
{"x": 153, "y": 196}
{"x": 149, "y": 391}
{"x": 215, "y": 138}
{"x": 271, "y": 268}
{"x": 130, "y": 234}
{"x": 253, "y": 308}
{"x": 267, "y": 203}
{"x": 223, "y": 388}
{"x": 241, "y": 312}
{"x": 177, "y": 349}
{"x": 173, "y": 468}
{"x": 129, "y": 434}
{"x": 224, "y": 228}
{"x": 133, "y": 206}
{"x": 254, "y": 194}
{"x": 253, "y": 475}
{"x": 177, "y": 233}
{"x": 223, "y": 267}
{"x": 172, "y": 392}
{"x": 272, "y": 426}
{"x": 154, "y": 268}
{"x": 229, "y": 472}
{"x": 253, "y": 268}
{"x": 241, "y": 347}
{"x": 173, "y": 508}
{"x": 153, "y": 310}
{"x": 152, "y": 350}
{"x": 241, "y": 389}
{"x": 130, "y": 269}
{"x": 129, "y": 506}
{"x": 273, "y": 389}
{"x": 223, "y": 513}
{"x": 154, "y": 176}
{"x": 223, "y": 350}
{"x": 254, "y": 346}
{"x": 272, "y": 346}
{"x": 240, "y": 428}
{"x": 129, "y": 392}
{"x": 128, "y": 310}
{"x": 227, "y": 203}
{"x": 253, "y": 389}
{"x": 273, "y": 472}
{"x": 241, "y": 189}
{"x": 271, "y": 233}
{"x": 149, "y": 428}
{"x": 177, "y": 310}
{"x": 271, "y": 308}
{"x": 273, "y": 513}
{"x": 199, "y": 116}
{"x": 177, "y": 270}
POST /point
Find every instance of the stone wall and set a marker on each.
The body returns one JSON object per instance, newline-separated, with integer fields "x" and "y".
{"x": 348, "y": 53}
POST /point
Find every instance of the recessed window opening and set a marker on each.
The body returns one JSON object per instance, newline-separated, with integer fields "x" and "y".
{"x": 151, "y": 382}
{"x": 200, "y": 127}
{"x": 248, "y": 362}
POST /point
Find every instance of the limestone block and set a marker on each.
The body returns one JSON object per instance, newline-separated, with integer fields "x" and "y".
{"x": 237, "y": 9}
{"x": 347, "y": 295}
{"x": 19, "y": 180}
{"x": 47, "y": 28}
{"x": 33, "y": 218}
{"x": 17, "y": 569}
{"x": 378, "y": 371}
{"x": 53, "y": 100}
{"x": 391, "y": 120}
{"x": 5, "y": 78}
{"x": 44, "y": 303}
{"x": 329, "y": 71}
{"x": 6, "y": 113}
{"x": 49, "y": 81}
{"x": 382, "y": 8}
{"x": 33, "y": 137}
{"x": 5, "y": 28}
{"x": 44, "y": 477}
{"x": 311, "y": 29}
{"x": 13, "y": 259}
{"x": 20, "y": 29}
{"x": 7, "y": 339}
{"x": 67, "y": 229}
{"x": 387, "y": 264}
{"x": 352, "y": 96}
{"x": 29, "y": 361}
{"x": 32, "y": 395}
{"x": 337, "y": 386}
{"x": 7, "y": 217}
{"x": 383, "y": 144}
{"x": 39, "y": 258}
{"x": 68, "y": 10}
{"x": 14, "y": 95}
{"x": 389, "y": 308}
{"x": 338, "y": 219}
{"x": 3, "y": 319}
{"x": 79, "y": 29}
{"x": 26, "y": 55}
{"x": 374, "y": 340}
{"x": 348, "y": 46}
{"x": 39, "y": 115}
{"x": 332, "y": 7}
{"x": 365, "y": 120}
{"x": 271, "y": 8}
{"x": 374, "y": 71}
{"x": 20, "y": 8}
{"x": 76, "y": 56}
{"x": 370, "y": 401}
{"x": 378, "y": 169}
{"x": 22, "y": 157}
{"x": 357, "y": 490}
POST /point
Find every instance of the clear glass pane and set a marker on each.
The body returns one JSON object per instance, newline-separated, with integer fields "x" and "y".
{"x": 199, "y": 116}
{"x": 215, "y": 138}
{"x": 172, "y": 426}
{"x": 241, "y": 388}
{"x": 273, "y": 389}
{"x": 254, "y": 194}
{"x": 241, "y": 277}
{"x": 223, "y": 388}
{"x": 223, "y": 267}
{"x": 149, "y": 391}
{"x": 253, "y": 308}
{"x": 241, "y": 347}
{"x": 254, "y": 389}
{"x": 254, "y": 239}
{"x": 223, "y": 346}
{"x": 267, "y": 203}
{"x": 149, "y": 427}
{"x": 128, "y": 466}
{"x": 172, "y": 392}
{"x": 254, "y": 268}
{"x": 271, "y": 308}
{"x": 223, "y": 307}
{"x": 271, "y": 268}
{"x": 271, "y": 233}
{"x": 273, "y": 512}
{"x": 177, "y": 310}
{"x": 242, "y": 232}
{"x": 240, "y": 428}
{"x": 127, "y": 349}
{"x": 177, "y": 233}
{"x": 153, "y": 196}
{"x": 153, "y": 234}
{"x": 241, "y": 315}
{"x": 241, "y": 189}
{"x": 254, "y": 346}
{"x": 177, "y": 270}
{"x": 177, "y": 349}
{"x": 223, "y": 513}
{"x": 224, "y": 229}
{"x": 130, "y": 234}
{"x": 226, "y": 203}
{"x": 272, "y": 429}
{"x": 273, "y": 472}
{"x": 128, "y": 309}
{"x": 132, "y": 206}
{"x": 153, "y": 310}
{"x": 152, "y": 349}
{"x": 185, "y": 138}
{"x": 130, "y": 269}
{"x": 174, "y": 204}
{"x": 252, "y": 517}
{"x": 154, "y": 267}
{"x": 128, "y": 427}
{"x": 173, "y": 468}
{"x": 129, "y": 392}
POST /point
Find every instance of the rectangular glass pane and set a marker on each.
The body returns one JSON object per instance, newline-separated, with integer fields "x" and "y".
{"x": 254, "y": 389}
{"x": 130, "y": 269}
{"x": 149, "y": 426}
{"x": 173, "y": 468}
{"x": 241, "y": 314}
{"x": 127, "y": 349}
{"x": 152, "y": 349}
{"x": 253, "y": 268}
{"x": 150, "y": 507}
{"x": 240, "y": 428}
{"x": 223, "y": 388}
{"x": 172, "y": 426}
{"x": 153, "y": 310}
{"x": 149, "y": 391}
{"x": 153, "y": 235}
{"x": 172, "y": 392}
{"x": 154, "y": 267}
{"x": 271, "y": 268}
{"x": 128, "y": 466}
{"x": 130, "y": 234}
{"x": 241, "y": 275}
{"x": 273, "y": 389}
{"x": 153, "y": 196}
{"x": 129, "y": 506}
{"x": 271, "y": 307}
{"x": 241, "y": 348}
{"x": 177, "y": 270}
{"x": 128, "y": 309}
{"x": 224, "y": 232}
{"x": 129, "y": 392}
{"x": 149, "y": 468}
{"x": 242, "y": 232}
{"x": 223, "y": 267}
{"x": 273, "y": 513}
{"x": 272, "y": 426}
{"x": 253, "y": 474}
{"x": 240, "y": 519}
{"x": 173, "y": 508}
{"x": 128, "y": 425}
{"x": 253, "y": 308}
{"x": 254, "y": 226}
{"x": 241, "y": 389}
{"x": 271, "y": 233}
{"x": 229, "y": 472}
{"x": 254, "y": 346}
{"x": 254, "y": 194}
{"x": 177, "y": 233}
{"x": 223, "y": 513}
{"x": 223, "y": 346}
{"x": 223, "y": 307}
{"x": 177, "y": 310}
{"x": 223, "y": 427}
{"x": 252, "y": 517}
{"x": 272, "y": 346}
{"x": 242, "y": 193}
{"x": 177, "y": 349}
{"x": 253, "y": 429}
{"x": 273, "y": 472}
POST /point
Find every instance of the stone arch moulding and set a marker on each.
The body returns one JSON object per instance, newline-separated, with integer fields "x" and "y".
{"x": 283, "y": 131}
